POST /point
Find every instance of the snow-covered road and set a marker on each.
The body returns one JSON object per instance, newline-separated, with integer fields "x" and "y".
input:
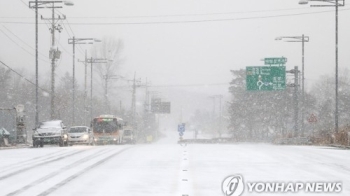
{"x": 165, "y": 168}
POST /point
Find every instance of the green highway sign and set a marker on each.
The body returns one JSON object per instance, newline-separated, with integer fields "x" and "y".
{"x": 275, "y": 61}
{"x": 265, "y": 78}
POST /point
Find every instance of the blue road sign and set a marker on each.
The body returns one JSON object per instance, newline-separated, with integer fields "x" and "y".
{"x": 181, "y": 133}
{"x": 181, "y": 127}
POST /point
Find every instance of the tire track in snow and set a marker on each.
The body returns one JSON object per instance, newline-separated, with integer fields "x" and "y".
{"x": 57, "y": 172}
{"x": 37, "y": 165}
{"x": 76, "y": 175}
{"x": 33, "y": 160}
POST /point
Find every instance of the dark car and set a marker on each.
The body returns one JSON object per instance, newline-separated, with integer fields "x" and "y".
{"x": 50, "y": 132}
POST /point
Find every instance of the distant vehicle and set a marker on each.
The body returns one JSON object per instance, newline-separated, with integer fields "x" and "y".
{"x": 128, "y": 136}
{"x": 50, "y": 132}
{"x": 80, "y": 135}
{"x": 107, "y": 129}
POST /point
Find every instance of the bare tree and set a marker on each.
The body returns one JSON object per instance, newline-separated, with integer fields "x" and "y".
{"x": 110, "y": 49}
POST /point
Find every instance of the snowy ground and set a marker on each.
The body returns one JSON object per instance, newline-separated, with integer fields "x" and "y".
{"x": 165, "y": 168}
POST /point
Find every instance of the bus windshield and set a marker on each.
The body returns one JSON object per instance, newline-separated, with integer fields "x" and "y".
{"x": 105, "y": 126}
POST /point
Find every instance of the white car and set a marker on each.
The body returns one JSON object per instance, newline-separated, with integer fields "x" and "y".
{"x": 80, "y": 135}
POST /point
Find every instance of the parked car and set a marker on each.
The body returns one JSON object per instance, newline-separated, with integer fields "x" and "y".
{"x": 80, "y": 135}
{"x": 50, "y": 132}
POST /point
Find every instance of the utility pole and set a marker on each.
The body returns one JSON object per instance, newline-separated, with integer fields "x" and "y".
{"x": 133, "y": 102}
{"x": 296, "y": 100}
{"x": 136, "y": 84}
{"x": 146, "y": 106}
{"x": 107, "y": 77}
{"x": 295, "y": 71}
{"x": 75, "y": 41}
{"x": 92, "y": 60}
{"x": 85, "y": 86}
{"x": 303, "y": 83}
{"x": 220, "y": 114}
{"x": 301, "y": 39}
{"x": 213, "y": 98}
{"x": 220, "y": 110}
{"x": 336, "y": 4}
{"x": 54, "y": 53}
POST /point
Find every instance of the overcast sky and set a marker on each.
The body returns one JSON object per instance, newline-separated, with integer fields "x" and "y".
{"x": 182, "y": 42}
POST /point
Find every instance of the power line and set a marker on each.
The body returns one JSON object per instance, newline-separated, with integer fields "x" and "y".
{"x": 22, "y": 40}
{"x": 24, "y": 3}
{"x": 188, "y": 21}
{"x": 66, "y": 20}
{"x": 80, "y": 49}
{"x": 23, "y": 76}
{"x": 181, "y": 15}
{"x": 20, "y": 45}
{"x": 189, "y": 85}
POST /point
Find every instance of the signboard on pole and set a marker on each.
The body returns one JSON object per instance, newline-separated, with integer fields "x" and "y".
{"x": 265, "y": 78}
{"x": 275, "y": 61}
{"x": 181, "y": 128}
{"x": 157, "y": 106}
{"x": 312, "y": 119}
{"x": 165, "y": 107}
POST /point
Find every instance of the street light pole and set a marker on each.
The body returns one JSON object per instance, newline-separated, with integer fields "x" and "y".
{"x": 301, "y": 39}
{"x": 107, "y": 77}
{"x": 36, "y": 4}
{"x": 336, "y": 4}
{"x": 73, "y": 123}
{"x": 36, "y": 65}
{"x": 303, "y": 85}
{"x": 296, "y": 101}
{"x": 92, "y": 60}
{"x": 336, "y": 68}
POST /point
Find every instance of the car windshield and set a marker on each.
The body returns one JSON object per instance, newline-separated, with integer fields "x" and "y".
{"x": 50, "y": 124}
{"x": 77, "y": 130}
